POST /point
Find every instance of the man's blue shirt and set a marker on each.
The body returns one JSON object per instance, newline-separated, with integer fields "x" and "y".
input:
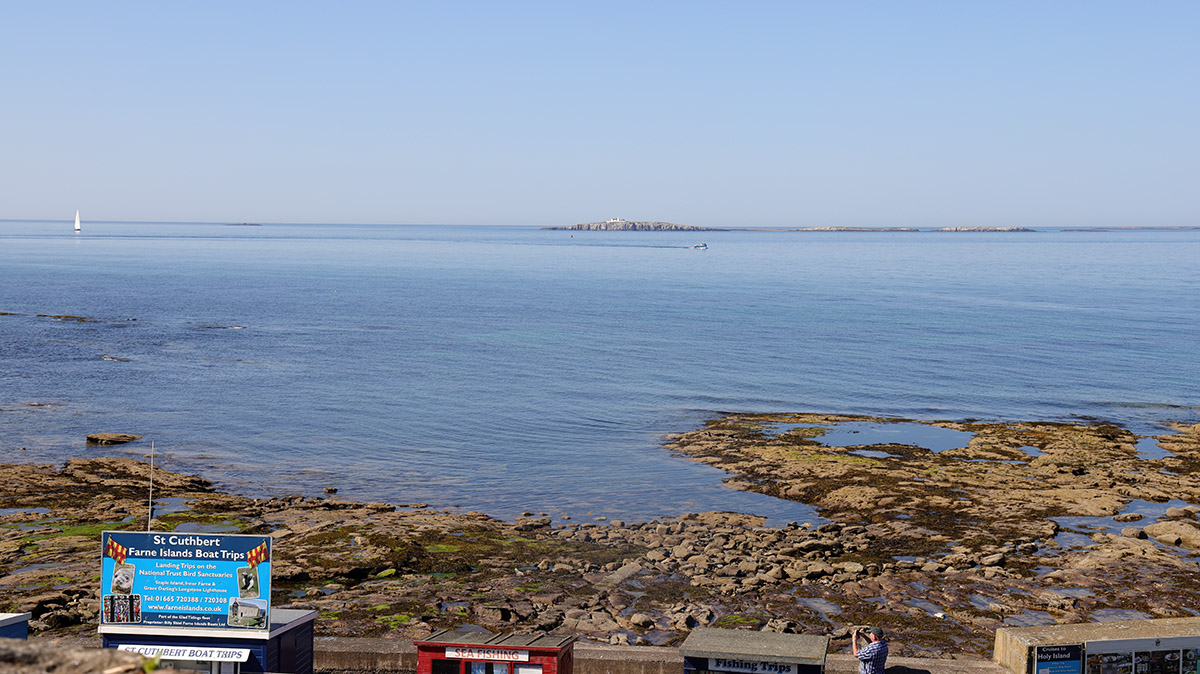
{"x": 873, "y": 657}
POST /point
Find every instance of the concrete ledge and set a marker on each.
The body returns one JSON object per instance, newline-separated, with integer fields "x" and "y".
{"x": 344, "y": 654}
{"x": 341, "y": 654}
{"x": 362, "y": 654}
{"x": 1013, "y": 644}
{"x": 838, "y": 663}
{"x": 604, "y": 659}
{"x": 332, "y": 654}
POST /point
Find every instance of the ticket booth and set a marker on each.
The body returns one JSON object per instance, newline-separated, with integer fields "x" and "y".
{"x": 286, "y": 647}
{"x": 478, "y": 652}
{"x": 14, "y": 625}
{"x": 715, "y": 650}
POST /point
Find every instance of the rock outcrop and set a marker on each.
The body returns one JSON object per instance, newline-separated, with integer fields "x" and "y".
{"x": 42, "y": 656}
{"x": 631, "y": 226}
{"x": 111, "y": 438}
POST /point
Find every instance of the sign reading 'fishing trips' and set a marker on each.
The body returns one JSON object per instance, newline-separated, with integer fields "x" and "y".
{"x": 166, "y": 579}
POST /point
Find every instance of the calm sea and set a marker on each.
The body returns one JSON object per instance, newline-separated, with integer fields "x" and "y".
{"x": 509, "y": 369}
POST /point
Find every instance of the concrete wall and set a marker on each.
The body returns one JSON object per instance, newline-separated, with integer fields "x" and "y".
{"x": 341, "y": 654}
{"x": 364, "y": 655}
{"x": 1013, "y": 646}
{"x": 399, "y": 655}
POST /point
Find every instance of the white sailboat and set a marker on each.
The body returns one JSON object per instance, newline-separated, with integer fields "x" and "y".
{"x": 77, "y": 220}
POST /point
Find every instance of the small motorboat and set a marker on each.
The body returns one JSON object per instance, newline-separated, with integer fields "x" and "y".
{"x": 701, "y": 246}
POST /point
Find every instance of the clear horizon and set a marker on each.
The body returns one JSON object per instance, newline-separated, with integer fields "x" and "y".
{"x": 774, "y": 115}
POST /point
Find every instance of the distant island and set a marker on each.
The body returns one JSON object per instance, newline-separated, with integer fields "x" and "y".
{"x": 1136, "y": 228}
{"x": 911, "y": 229}
{"x": 855, "y": 229}
{"x": 619, "y": 225}
{"x": 243, "y": 224}
{"x": 984, "y": 229}
{"x": 899, "y": 229}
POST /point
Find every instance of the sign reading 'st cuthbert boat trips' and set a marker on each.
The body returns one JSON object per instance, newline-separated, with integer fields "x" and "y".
{"x": 166, "y": 579}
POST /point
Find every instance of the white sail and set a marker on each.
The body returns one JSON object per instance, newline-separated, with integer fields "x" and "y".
{"x": 77, "y": 220}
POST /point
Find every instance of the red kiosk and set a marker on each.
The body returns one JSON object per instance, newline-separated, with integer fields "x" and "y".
{"x": 465, "y": 651}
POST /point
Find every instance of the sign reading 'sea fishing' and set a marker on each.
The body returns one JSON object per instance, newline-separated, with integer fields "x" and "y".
{"x": 166, "y": 579}
{"x": 485, "y": 653}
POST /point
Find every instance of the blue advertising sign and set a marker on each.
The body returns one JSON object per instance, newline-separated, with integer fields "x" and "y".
{"x": 1060, "y": 659}
{"x": 165, "y": 579}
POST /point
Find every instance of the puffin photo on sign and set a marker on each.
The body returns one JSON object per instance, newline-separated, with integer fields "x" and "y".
{"x": 247, "y": 578}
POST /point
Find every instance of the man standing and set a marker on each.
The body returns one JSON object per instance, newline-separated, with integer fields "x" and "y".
{"x": 874, "y": 654}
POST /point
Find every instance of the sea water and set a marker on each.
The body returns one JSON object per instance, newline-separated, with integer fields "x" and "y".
{"x": 512, "y": 369}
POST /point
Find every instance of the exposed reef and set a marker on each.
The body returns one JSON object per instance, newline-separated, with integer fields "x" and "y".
{"x": 1027, "y": 523}
{"x": 111, "y": 438}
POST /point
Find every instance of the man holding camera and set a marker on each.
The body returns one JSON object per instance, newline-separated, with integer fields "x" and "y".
{"x": 874, "y": 654}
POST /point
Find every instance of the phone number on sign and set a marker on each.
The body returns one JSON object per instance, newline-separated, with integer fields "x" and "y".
{"x": 187, "y": 599}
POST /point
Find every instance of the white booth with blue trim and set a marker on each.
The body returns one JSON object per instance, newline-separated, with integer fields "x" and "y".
{"x": 286, "y": 647}
{"x": 14, "y": 625}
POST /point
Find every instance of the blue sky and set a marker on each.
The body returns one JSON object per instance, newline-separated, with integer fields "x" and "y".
{"x": 775, "y": 114}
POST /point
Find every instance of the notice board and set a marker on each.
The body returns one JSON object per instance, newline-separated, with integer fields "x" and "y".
{"x": 167, "y": 579}
{"x": 1058, "y": 659}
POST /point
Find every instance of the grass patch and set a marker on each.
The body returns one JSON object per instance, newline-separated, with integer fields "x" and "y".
{"x": 171, "y": 521}
{"x": 394, "y": 622}
{"x": 93, "y": 530}
{"x": 326, "y": 537}
{"x": 839, "y": 458}
{"x": 442, "y": 548}
{"x": 742, "y": 619}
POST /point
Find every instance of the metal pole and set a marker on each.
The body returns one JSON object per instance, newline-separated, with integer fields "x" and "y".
{"x": 150, "y": 505}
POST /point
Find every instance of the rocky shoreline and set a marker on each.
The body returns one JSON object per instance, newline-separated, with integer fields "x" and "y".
{"x": 938, "y": 548}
